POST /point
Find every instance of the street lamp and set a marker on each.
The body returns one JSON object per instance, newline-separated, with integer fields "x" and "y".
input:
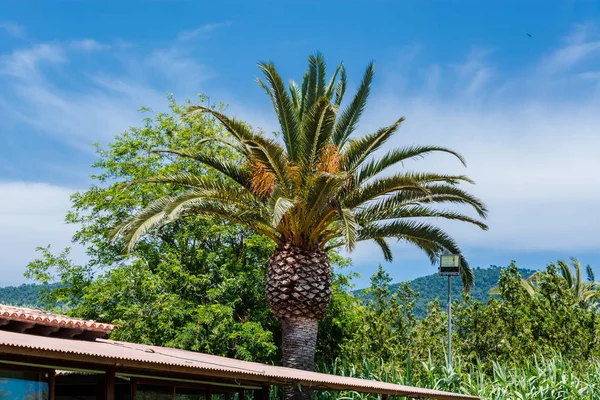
{"x": 450, "y": 266}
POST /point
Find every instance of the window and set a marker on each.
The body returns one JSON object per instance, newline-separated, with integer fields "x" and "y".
{"x": 23, "y": 385}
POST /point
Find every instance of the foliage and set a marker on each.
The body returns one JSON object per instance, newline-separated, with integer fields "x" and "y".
{"x": 539, "y": 378}
{"x": 385, "y": 329}
{"x": 586, "y": 292}
{"x": 516, "y": 325}
{"x": 196, "y": 286}
{"x": 320, "y": 188}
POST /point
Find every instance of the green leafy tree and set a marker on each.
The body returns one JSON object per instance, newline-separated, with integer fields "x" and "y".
{"x": 386, "y": 329}
{"x": 317, "y": 190}
{"x": 515, "y": 325}
{"x": 197, "y": 285}
{"x": 586, "y": 291}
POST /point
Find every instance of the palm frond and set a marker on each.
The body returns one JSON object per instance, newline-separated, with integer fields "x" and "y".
{"x": 296, "y": 96}
{"x": 348, "y": 120}
{"x": 429, "y": 178}
{"x": 349, "y": 227}
{"x": 309, "y": 85}
{"x": 340, "y": 89}
{"x": 374, "y": 213}
{"x": 271, "y": 156}
{"x": 590, "y": 273}
{"x": 316, "y": 132}
{"x": 236, "y": 128}
{"x": 136, "y": 226}
{"x": 229, "y": 212}
{"x": 281, "y": 207}
{"x": 188, "y": 180}
{"x": 284, "y": 108}
{"x": 565, "y": 271}
{"x": 466, "y": 275}
{"x": 393, "y": 157}
{"x": 359, "y": 149}
{"x": 238, "y": 173}
{"x": 383, "y": 186}
{"x": 321, "y": 72}
{"x": 331, "y": 87}
{"x": 385, "y": 248}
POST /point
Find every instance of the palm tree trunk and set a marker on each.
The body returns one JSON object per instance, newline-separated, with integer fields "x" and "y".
{"x": 299, "y": 342}
{"x": 298, "y": 292}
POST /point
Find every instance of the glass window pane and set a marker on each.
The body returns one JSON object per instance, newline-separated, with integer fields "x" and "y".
{"x": 23, "y": 385}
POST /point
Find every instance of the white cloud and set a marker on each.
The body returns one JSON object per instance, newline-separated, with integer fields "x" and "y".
{"x": 179, "y": 68}
{"x": 32, "y": 215}
{"x": 195, "y": 33}
{"x": 13, "y": 29}
{"x": 88, "y": 45}
{"x": 108, "y": 103}
{"x": 25, "y": 63}
{"x": 531, "y": 146}
{"x": 580, "y": 46}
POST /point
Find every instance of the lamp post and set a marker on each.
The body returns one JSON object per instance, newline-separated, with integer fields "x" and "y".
{"x": 450, "y": 266}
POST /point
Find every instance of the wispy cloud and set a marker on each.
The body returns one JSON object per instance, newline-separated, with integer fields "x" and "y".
{"x": 531, "y": 143}
{"x": 474, "y": 73}
{"x": 25, "y": 63}
{"x": 88, "y": 45}
{"x": 13, "y": 29}
{"x": 34, "y": 93}
{"x": 580, "y": 46}
{"x": 195, "y": 33}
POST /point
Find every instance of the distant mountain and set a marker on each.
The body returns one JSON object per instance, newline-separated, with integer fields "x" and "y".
{"x": 26, "y": 295}
{"x": 435, "y": 286}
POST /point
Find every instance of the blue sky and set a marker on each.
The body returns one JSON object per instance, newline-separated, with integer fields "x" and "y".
{"x": 524, "y": 110}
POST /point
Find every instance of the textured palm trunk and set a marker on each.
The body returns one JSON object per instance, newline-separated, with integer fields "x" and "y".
{"x": 298, "y": 292}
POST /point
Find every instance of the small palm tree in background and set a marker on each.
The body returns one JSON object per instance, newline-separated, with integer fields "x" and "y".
{"x": 584, "y": 290}
{"x": 316, "y": 189}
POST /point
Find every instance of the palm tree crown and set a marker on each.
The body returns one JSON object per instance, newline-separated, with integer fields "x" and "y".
{"x": 318, "y": 187}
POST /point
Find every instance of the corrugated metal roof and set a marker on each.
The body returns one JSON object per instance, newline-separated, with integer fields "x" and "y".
{"x": 40, "y": 317}
{"x": 103, "y": 352}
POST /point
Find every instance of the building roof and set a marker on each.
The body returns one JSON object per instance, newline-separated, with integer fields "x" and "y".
{"x": 114, "y": 354}
{"x": 21, "y": 319}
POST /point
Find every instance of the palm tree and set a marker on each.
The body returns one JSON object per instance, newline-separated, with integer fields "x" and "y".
{"x": 316, "y": 189}
{"x": 585, "y": 291}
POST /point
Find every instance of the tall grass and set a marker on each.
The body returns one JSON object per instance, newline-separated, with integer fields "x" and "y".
{"x": 538, "y": 379}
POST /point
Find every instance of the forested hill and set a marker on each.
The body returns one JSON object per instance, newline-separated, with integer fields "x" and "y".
{"x": 434, "y": 286}
{"x": 26, "y": 295}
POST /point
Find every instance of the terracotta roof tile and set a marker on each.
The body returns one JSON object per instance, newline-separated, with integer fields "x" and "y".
{"x": 40, "y": 317}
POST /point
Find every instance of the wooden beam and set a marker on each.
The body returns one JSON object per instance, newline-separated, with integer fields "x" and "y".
{"x": 110, "y": 384}
{"x": 52, "y": 383}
